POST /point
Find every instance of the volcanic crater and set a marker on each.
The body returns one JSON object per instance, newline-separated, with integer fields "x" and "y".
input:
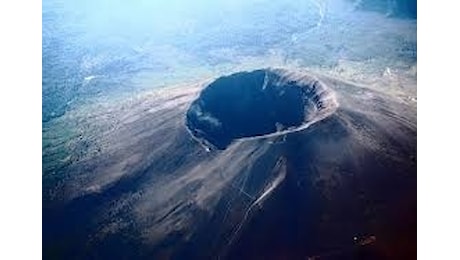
{"x": 257, "y": 104}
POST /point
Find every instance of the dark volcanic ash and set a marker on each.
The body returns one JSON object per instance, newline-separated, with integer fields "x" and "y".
{"x": 329, "y": 161}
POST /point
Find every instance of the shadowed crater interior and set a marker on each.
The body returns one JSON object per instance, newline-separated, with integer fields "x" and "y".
{"x": 259, "y": 103}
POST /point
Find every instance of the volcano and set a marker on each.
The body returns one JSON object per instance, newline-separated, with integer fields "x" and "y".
{"x": 264, "y": 164}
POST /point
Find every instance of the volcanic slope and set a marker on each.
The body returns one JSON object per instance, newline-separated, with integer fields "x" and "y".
{"x": 177, "y": 174}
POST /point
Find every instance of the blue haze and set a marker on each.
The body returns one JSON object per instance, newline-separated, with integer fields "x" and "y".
{"x": 102, "y": 48}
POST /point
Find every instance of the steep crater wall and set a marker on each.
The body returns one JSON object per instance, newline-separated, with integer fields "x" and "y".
{"x": 257, "y": 104}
